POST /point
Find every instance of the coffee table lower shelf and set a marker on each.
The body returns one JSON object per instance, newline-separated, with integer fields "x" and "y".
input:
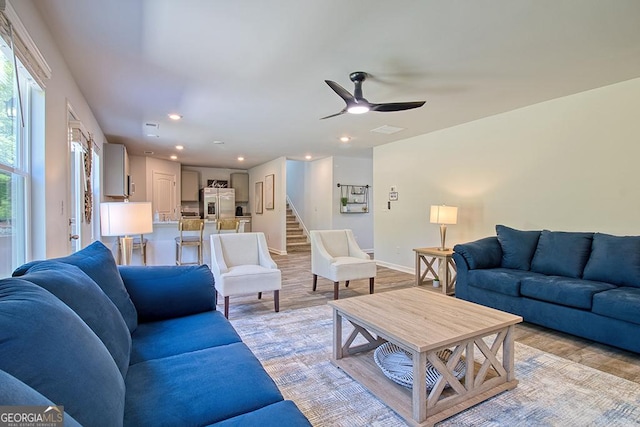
{"x": 363, "y": 369}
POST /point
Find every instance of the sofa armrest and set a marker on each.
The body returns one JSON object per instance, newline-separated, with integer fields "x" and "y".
{"x": 483, "y": 253}
{"x": 163, "y": 292}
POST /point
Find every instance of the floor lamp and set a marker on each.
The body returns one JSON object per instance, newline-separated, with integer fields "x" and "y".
{"x": 443, "y": 215}
{"x": 125, "y": 219}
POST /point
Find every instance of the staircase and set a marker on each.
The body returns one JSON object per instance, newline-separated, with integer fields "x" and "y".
{"x": 296, "y": 239}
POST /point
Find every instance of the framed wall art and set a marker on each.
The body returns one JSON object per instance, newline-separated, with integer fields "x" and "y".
{"x": 258, "y": 197}
{"x": 269, "y": 182}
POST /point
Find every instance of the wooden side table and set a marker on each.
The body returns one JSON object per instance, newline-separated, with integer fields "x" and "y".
{"x": 447, "y": 271}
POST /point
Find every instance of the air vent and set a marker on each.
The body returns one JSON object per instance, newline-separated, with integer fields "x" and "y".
{"x": 149, "y": 153}
{"x": 387, "y": 130}
{"x": 151, "y": 126}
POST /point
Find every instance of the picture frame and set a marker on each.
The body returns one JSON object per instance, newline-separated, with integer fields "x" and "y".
{"x": 269, "y": 183}
{"x": 258, "y": 197}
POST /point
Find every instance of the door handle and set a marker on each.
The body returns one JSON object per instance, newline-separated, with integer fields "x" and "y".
{"x": 73, "y": 237}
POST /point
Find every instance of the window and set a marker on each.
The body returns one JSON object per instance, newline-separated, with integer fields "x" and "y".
{"x": 15, "y": 120}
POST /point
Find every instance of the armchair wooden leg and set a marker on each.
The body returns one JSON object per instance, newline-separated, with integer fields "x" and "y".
{"x": 276, "y": 300}
{"x": 226, "y": 307}
{"x": 346, "y": 285}
{"x": 259, "y": 295}
{"x": 335, "y": 289}
{"x": 315, "y": 282}
{"x": 371, "y": 279}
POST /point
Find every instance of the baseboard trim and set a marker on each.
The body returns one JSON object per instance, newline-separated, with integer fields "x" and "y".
{"x": 396, "y": 267}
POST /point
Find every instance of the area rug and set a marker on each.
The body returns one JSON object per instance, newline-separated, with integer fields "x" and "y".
{"x": 295, "y": 347}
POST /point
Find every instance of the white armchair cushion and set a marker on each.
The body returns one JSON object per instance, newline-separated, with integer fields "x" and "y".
{"x": 241, "y": 264}
{"x": 335, "y": 255}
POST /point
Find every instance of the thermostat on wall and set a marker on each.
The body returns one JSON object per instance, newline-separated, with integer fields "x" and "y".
{"x": 393, "y": 196}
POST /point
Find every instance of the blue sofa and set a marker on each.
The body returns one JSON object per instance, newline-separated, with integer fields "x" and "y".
{"x": 585, "y": 284}
{"x": 129, "y": 346}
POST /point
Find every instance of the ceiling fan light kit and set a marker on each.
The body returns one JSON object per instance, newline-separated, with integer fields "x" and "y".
{"x": 357, "y": 104}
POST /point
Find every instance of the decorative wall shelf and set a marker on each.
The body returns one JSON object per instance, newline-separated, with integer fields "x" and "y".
{"x": 354, "y": 198}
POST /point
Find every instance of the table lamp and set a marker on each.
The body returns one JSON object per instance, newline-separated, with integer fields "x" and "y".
{"x": 443, "y": 215}
{"x": 124, "y": 219}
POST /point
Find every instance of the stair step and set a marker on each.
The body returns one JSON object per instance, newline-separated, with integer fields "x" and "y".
{"x": 295, "y": 231}
{"x": 296, "y": 239}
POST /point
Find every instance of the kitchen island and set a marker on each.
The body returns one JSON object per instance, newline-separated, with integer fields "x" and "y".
{"x": 161, "y": 244}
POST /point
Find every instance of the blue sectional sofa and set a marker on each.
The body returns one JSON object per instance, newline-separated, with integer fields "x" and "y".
{"x": 131, "y": 346}
{"x": 585, "y": 284}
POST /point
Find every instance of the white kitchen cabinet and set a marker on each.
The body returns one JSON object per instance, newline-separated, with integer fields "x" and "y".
{"x": 240, "y": 182}
{"x": 190, "y": 183}
{"x": 116, "y": 170}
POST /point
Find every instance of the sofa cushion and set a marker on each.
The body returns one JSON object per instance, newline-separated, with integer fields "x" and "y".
{"x": 14, "y": 392}
{"x": 483, "y": 253}
{"x": 570, "y": 292}
{"x": 205, "y": 386}
{"x": 164, "y": 338}
{"x": 501, "y": 280}
{"x": 49, "y": 348}
{"x": 614, "y": 259}
{"x": 518, "y": 247}
{"x": 561, "y": 253}
{"x": 151, "y": 288}
{"x": 96, "y": 260}
{"x": 621, "y": 303}
{"x": 273, "y": 415}
{"x": 77, "y": 290}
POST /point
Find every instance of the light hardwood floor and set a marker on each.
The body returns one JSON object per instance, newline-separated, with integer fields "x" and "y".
{"x": 296, "y": 293}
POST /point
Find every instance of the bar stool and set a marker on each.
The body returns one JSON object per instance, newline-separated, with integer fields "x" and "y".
{"x": 189, "y": 225}
{"x": 138, "y": 243}
{"x": 228, "y": 224}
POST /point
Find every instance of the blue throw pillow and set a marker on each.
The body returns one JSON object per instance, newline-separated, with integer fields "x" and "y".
{"x": 96, "y": 260}
{"x": 518, "y": 247}
{"x": 14, "y": 392}
{"x": 189, "y": 288}
{"x": 49, "y": 348}
{"x": 561, "y": 253}
{"x": 77, "y": 290}
{"x": 614, "y": 259}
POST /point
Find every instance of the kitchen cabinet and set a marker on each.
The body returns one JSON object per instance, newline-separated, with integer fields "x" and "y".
{"x": 116, "y": 170}
{"x": 240, "y": 182}
{"x": 190, "y": 186}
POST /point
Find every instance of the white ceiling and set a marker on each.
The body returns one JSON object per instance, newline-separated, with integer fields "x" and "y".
{"x": 251, "y": 73}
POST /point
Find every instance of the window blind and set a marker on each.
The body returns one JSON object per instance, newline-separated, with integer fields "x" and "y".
{"x": 12, "y": 29}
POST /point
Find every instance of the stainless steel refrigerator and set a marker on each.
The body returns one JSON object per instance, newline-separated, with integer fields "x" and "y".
{"x": 218, "y": 203}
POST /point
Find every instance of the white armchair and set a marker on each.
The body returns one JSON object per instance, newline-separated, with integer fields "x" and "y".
{"x": 336, "y": 256}
{"x": 241, "y": 264}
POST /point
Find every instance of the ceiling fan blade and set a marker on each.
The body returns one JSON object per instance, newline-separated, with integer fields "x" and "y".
{"x": 396, "y": 106}
{"x": 334, "y": 115}
{"x": 342, "y": 92}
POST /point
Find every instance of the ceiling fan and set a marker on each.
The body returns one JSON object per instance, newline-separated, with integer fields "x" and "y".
{"x": 356, "y": 104}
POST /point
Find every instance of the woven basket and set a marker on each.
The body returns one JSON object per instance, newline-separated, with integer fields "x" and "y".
{"x": 397, "y": 365}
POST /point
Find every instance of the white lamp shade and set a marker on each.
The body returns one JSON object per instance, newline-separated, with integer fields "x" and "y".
{"x": 442, "y": 214}
{"x": 125, "y": 218}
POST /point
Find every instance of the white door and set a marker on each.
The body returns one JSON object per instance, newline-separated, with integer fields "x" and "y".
{"x": 164, "y": 195}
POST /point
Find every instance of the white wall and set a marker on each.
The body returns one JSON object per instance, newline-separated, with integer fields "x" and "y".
{"x": 567, "y": 164}
{"x": 312, "y": 188}
{"x": 60, "y": 89}
{"x": 272, "y": 222}
{"x": 356, "y": 171}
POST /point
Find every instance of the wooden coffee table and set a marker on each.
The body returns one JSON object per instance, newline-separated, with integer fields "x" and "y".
{"x": 423, "y": 322}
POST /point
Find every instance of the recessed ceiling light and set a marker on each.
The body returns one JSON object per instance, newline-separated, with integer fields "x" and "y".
{"x": 174, "y": 157}
{"x": 174, "y": 116}
{"x": 345, "y": 139}
{"x": 179, "y": 147}
{"x": 240, "y": 159}
{"x": 308, "y": 157}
